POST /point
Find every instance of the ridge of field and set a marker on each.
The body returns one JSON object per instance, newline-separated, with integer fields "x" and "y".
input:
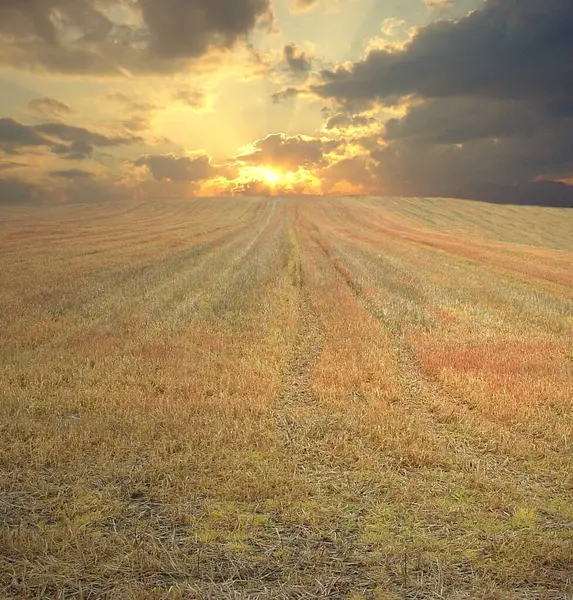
{"x": 525, "y": 225}
{"x": 358, "y": 398}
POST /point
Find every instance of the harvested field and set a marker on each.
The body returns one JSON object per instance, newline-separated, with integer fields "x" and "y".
{"x": 276, "y": 398}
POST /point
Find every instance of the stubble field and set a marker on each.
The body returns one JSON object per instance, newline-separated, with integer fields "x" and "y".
{"x": 354, "y": 398}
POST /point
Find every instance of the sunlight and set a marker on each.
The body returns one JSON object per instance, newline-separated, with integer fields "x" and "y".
{"x": 301, "y": 181}
{"x": 270, "y": 176}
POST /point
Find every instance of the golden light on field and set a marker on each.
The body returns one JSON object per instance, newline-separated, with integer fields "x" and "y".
{"x": 358, "y": 337}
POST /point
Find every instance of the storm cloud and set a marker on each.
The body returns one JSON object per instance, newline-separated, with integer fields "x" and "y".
{"x": 493, "y": 99}
{"x": 115, "y": 36}
{"x": 507, "y": 50}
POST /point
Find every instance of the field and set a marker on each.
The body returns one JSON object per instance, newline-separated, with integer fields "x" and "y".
{"x": 357, "y": 398}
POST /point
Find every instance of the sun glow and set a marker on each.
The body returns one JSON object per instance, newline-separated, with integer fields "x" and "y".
{"x": 269, "y": 175}
{"x": 264, "y": 179}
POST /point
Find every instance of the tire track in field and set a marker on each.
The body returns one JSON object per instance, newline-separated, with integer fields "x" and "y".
{"x": 296, "y": 390}
{"x": 427, "y": 396}
{"x": 297, "y": 387}
{"x": 331, "y": 565}
{"x": 415, "y": 384}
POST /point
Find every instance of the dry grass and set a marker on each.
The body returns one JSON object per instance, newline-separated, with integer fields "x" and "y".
{"x": 287, "y": 398}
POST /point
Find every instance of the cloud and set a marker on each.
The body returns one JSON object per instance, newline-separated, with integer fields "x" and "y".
{"x": 16, "y": 191}
{"x": 7, "y": 165}
{"x": 189, "y": 28}
{"x": 460, "y": 120}
{"x": 296, "y": 59}
{"x": 391, "y": 26}
{"x": 193, "y": 98}
{"x": 131, "y": 103}
{"x": 140, "y": 122}
{"x": 190, "y": 97}
{"x": 71, "y": 133}
{"x": 298, "y": 6}
{"x": 170, "y": 167}
{"x": 488, "y": 100}
{"x": 289, "y": 152}
{"x": 49, "y": 107}
{"x": 354, "y": 171}
{"x": 438, "y": 4}
{"x": 418, "y": 166}
{"x": 15, "y": 135}
{"x": 286, "y": 94}
{"x": 506, "y": 50}
{"x": 140, "y": 111}
{"x": 253, "y": 188}
{"x": 341, "y": 121}
{"x": 67, "y": 141}
{"x": 72, "y": 174}
{"x": 116, "y": 36}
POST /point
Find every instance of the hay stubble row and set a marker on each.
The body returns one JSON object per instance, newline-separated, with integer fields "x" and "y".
{"x": 286, "y": 398}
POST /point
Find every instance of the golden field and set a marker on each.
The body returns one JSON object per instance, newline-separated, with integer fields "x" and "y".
{"x": 355, "y": 398}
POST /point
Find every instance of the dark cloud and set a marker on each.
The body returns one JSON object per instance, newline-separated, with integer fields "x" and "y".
{"x": 90, "y": 189}
{"x": 536, "y": 193}
{"x": 7, "y": 165}
{"x": 169, "y": 167}
{"x": 77, "y": 150}
{"x": 338, "y": 121}
{"x": 492, "y": 101}
{"x": 287, "y": 93}
{"x": 303, "y": 5}
{"x": 72, "y": 174}
{"x": 506, "y": 50}
{"x": 67, "y": 141}
{"x": 15, "y": 136}
{"x": 50, "y": 107}
{"x": 71, "y": 133}
{"x": 289, "y": 152}
{"x": 73, "y": 186}
{"x": 160, "y": 35}
{"x": 355, "y": 170}
{"x": 417, "y": 167}
{"x": 81, "y": 141}
{"x": 459, "y": 120}
{"x": 16, "y": 191}
{"x": 189, "y": 28}
{"x": 341, "y": 121}
{"x": 297, "y": 60}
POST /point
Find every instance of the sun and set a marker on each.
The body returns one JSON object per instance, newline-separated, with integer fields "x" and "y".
{"x": 270, "y": 175}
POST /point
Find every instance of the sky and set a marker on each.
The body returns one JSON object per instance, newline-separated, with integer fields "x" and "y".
{"x": 148, "y": 99}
